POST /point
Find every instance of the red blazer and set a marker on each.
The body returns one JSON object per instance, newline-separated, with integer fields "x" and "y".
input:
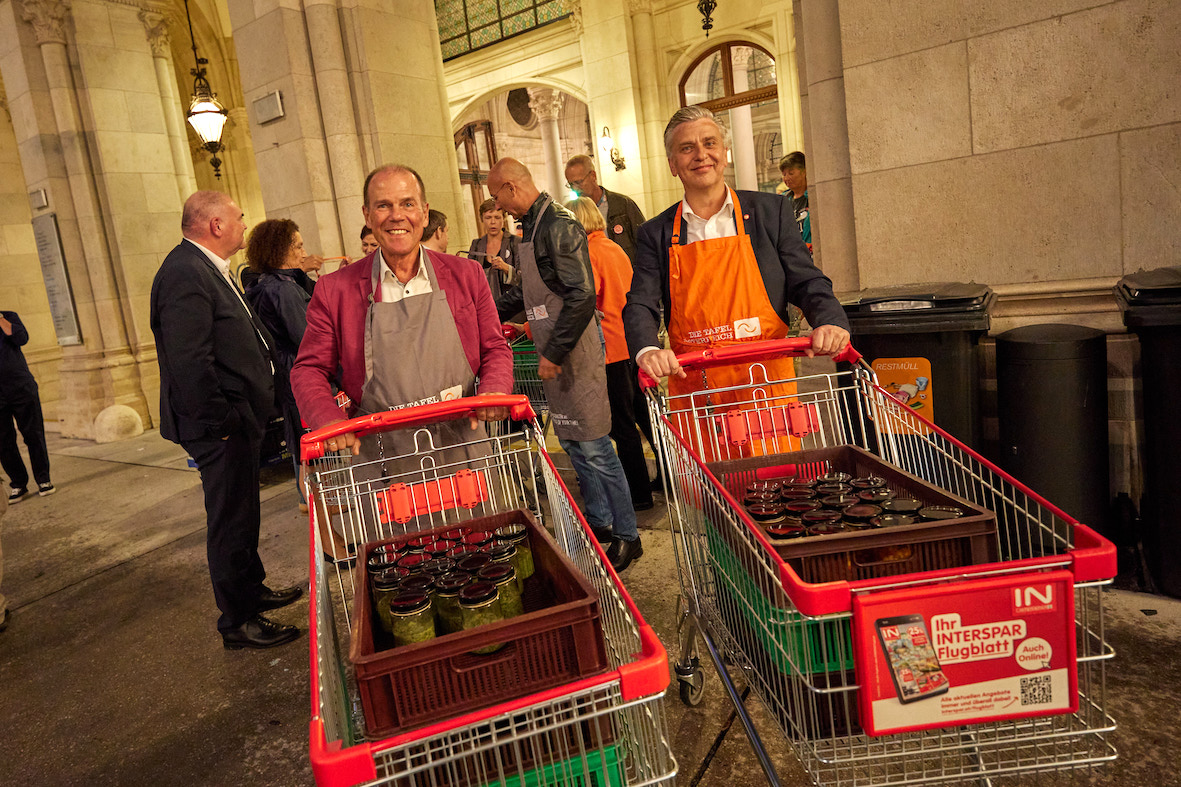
{"x": 335, "y": 336}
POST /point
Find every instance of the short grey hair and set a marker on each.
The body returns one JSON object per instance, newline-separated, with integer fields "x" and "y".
{"x": 688, "y": 115}
{"x": 199, "y": 209}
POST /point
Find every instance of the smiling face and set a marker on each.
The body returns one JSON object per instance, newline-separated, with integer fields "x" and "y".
{"x": 397, "y": 213}
{"x": 698, "y": 156}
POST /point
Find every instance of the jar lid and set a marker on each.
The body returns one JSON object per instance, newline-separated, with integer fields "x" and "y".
{"x": 839, "y": 501}
{"x": 901, "y": 505}
{"x": 867, "y": 482}
{"x": 833, "y": 488}
{"x": 785, "y": 532}
{"x": 826, "y": 529}
{"x": 473, "y": 562}
{"x": 513, "y": 532}
{"x": 477, "y": 593}
{"x": 451, "y": 584}
{"x": 381, "y": 561}
{"x": 419, "y": 582}
{"x": 862, "y": 512}
{"x": 415, "y": 561}
{"x": 876, "y": 495}
{"x": 764, "y": 486}
{"x": 439, "y": 566}
{"x": 477, "y": 537}
{"x": 462, "y": 550}
{"x": 754, "y": 498}
{"x": 797, "y": 493}
{"x": 800, "y": 506}
{"x": 835, "y": 477}
{"x": 501, "y": 550}
{"x": 893, "y": 520}
{"x": 941, "y": 512}
{"x": 799, "y": 482}
{"x": 420, "y": 542}
{"x": 497, "y": 572}
{"x": 438, "y": 549}
{"x": 823, "y": 516}
{"x": 454, "y": 534}
{"x": 389, "y": 578}
{"x": 765, "y": 512}
{"x": 388, "y": 549}
{"x": 409, "y": 602}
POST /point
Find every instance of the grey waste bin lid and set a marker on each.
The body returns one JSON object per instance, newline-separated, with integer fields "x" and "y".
{"x": 1150, "y": 298}
{"x": 930, "y": 306}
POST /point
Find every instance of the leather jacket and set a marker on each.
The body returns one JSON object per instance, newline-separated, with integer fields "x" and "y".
{"x": 563, "y": 260}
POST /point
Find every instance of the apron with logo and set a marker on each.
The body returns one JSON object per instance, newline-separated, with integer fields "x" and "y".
{"x": 414, "y": 356}
{"x": 718, "y": 299}
{"x": 577, "y": 397}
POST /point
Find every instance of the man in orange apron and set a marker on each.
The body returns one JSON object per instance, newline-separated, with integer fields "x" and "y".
{"x": 722, "y": 266}
{"x": 558, "y": 293}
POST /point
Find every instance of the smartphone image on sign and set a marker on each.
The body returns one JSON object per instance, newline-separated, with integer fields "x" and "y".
{"x": 913, "y": 664}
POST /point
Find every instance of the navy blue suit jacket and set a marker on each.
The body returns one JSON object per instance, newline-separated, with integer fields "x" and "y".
{"x": 787, "y": 269}
{"x": 215, "y": 372}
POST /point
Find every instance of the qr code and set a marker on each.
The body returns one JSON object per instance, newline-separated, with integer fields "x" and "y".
{"x": 1036, "y": 690}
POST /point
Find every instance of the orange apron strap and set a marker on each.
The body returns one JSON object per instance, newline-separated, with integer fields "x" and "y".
{"x": 738, "y": 225}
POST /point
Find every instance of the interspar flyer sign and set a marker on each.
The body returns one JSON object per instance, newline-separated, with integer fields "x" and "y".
{"x": 972, "y": 651}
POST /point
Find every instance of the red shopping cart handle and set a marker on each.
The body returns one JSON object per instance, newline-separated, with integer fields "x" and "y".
{"x": 409, "y": 417}
{"x": 751, "y": 352}
{"x": 508, "y": 331}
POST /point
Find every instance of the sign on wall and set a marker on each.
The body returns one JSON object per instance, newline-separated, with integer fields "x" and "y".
{"x": 57, "y": 279}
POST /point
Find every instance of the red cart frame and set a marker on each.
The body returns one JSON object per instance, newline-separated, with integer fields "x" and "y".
{"x": 628, "y": 742}
{"x": 805, "y": 647}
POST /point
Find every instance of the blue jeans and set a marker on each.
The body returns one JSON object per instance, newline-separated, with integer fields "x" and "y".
{"x": 604, "y": 487}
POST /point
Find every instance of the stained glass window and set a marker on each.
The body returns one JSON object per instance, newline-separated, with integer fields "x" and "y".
{"x": 467, "y": 25}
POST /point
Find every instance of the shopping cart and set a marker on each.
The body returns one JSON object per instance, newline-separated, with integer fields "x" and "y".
{"x": 526, "y": 380}
{"x": 813, "y": 624}
{"x": 607, "y": 729}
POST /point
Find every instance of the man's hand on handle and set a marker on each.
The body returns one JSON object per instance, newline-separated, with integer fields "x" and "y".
{"x": 347, "y": 441}
{"x": 828, "y": 340}
{"x": 660, "y": 363}
{"x": 547, "y": 369}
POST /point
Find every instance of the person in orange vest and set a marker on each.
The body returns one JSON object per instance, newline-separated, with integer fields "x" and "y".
{"x": 722, "y": 266}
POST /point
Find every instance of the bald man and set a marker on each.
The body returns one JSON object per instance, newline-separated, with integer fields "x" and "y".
{"x": 558, "y": 295}
{"x": 216, "y": 393}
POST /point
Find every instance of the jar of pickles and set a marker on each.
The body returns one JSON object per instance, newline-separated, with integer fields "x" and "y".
{"x": 479, "y": 604}
{"x": 448, "y": 615}
{"x": 411, "y": 618}
{"x": 385, "y": 585}
{"x": 504, "y": 576}
{"x": 518, "y": 536}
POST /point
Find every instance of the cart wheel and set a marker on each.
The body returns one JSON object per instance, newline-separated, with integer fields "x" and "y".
{"x": 692, "y": 688}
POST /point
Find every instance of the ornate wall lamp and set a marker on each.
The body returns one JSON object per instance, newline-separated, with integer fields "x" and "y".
{"x": 607, "y": 146}
{"x": 706, "y": 7}
{"x": 206, "y": 115}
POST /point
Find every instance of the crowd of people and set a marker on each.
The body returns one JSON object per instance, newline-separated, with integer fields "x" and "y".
{"x": 592, "y": 282}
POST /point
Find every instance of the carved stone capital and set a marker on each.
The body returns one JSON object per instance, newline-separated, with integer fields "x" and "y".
{"x": 574, "y": 8}
{"x": 156, "y": 28}
{"x": 639, "y": 7}
{"x": 48, "y": 18}
{"x": 546, "y": 103}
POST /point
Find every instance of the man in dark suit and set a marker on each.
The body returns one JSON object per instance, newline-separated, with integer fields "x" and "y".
{"x": 216, "y": 392}
{"x": 739, "y": 260}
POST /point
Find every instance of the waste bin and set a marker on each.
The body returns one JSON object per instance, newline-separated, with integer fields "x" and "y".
{"x": 1151, "y": 306}
{"x": 922, "y": 341}
{"x": 1051, "y": 383}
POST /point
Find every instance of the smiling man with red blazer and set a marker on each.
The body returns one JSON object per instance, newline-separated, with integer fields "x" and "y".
{"x": 427, "y": 320}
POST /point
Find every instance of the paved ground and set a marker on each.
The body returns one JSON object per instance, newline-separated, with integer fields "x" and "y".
{"x": 112, "y": 673}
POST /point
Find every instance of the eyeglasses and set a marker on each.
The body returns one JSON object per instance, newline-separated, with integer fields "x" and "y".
{"x": 496, "y": 196}
{"x": 576, "y": 185}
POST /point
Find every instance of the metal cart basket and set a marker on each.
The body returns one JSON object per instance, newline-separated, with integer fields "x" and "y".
{"x": 607, "y": 729}
{"x": 801, "y": 618}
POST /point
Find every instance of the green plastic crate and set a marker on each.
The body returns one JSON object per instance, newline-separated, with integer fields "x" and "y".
{"x": 799, "y": 639}
{"x": 602, "y": 765}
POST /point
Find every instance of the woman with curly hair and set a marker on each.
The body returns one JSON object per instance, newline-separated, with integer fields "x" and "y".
{"x": 280, "y": 297}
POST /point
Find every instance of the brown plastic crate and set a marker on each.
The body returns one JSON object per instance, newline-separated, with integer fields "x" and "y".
{"x": 558, "y": 640}
{"x": 875, "y": 553}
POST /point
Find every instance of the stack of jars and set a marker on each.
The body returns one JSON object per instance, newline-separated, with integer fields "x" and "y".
{"x": 443, "y": 583}
{"x": 837, "y": 502}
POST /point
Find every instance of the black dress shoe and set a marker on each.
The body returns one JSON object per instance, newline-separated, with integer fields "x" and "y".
{"x": 647, "y": 505}
{"x": 258, "y": 632}
{"x": 622, "y": 553}
{"x": 274, "y": 599}
{"x": 602, "y": 534}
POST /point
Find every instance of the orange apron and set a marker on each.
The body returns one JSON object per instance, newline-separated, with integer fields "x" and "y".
{"x": 718, "y": 299}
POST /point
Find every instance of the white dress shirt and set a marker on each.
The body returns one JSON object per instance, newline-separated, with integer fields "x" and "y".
{"x": 393, "y": 290}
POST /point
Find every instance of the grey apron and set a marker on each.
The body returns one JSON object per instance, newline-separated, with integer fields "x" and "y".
{"x": 413, "y": 356}
{"x": 577, "y": 398}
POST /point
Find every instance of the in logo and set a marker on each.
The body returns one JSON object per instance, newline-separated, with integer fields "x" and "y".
{"x": 747, "y": 328}
{"x": 1034, "y": 598}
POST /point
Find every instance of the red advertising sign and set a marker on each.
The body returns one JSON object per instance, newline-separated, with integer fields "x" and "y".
{"x": 972, "y": 651}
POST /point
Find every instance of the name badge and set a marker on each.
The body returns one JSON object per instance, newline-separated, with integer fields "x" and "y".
{"x": 537, "y": 313}
{"x": 451, "y": 394}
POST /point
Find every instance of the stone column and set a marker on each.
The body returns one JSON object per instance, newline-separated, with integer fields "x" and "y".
{"x": 547, "y": 105}
{"x": 746, "y": 175}
{"x": 652, "y": 120}
{"x": 103, "y": 370}
{"x": 336, "y": 112}
{"x": 159, "y": 38}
